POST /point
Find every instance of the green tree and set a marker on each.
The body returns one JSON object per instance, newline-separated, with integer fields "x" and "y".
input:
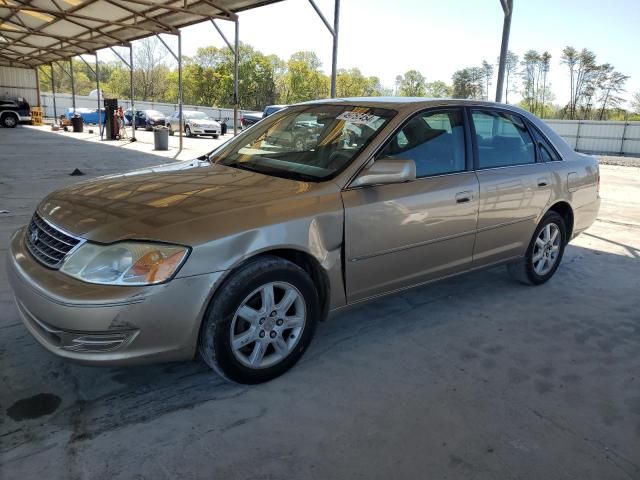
{"x": 437, "y": 89}
{"x": 610, "y": 84}
{"x": 487, "y": 73}
{"x": 468, "y": 83}
{"x": 412, "y": 84}
{"x": 304, "y": 80}
{"x": 635, "y": 102}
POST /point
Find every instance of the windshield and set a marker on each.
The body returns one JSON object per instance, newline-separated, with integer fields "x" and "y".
{"x": 196, "y": 115}
{"x": 307, "y": 142}
{"x": 154, "y": 113}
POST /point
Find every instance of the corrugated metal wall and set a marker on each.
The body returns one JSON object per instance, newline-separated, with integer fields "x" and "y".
{"x": 617, "y": 138}
{"x": 19, "y": 82}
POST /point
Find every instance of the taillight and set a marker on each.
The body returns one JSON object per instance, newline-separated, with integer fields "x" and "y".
{"x": 242, "y": 122}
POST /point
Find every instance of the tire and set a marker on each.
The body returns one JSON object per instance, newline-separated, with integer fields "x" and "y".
{"x": 187, "y": 131}
{"x": 9, "y": 120}
{"x": 170, "y": 130}
{"x": 536, "y": 267}
{"x": 215, "y": 137}
{"x": 255, "y": 358}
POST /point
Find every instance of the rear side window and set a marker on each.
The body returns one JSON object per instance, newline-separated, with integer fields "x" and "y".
{"x": 433, "y": 140}
{"x": 545, "y": 151}
{"x": 503, "y": 139}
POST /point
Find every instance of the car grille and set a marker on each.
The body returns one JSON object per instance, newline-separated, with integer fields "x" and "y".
{"x": 48, "y": 244}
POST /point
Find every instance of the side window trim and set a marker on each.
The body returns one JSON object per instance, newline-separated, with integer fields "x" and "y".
{"x": 476, "y": 153}
{"x": 468, "y": 152}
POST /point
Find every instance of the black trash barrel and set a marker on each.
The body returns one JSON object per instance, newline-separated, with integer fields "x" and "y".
{"x": 223, "y": 127}
{"x": 76, "y": 123}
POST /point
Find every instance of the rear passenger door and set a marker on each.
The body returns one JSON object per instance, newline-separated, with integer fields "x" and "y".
{"x": 398, "y": 235}
{"x": 514, "y": 188}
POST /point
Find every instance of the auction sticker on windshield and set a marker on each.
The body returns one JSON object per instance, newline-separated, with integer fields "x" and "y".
{"x": 358, "y": 117}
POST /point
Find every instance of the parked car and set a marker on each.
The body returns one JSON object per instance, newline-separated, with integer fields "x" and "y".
{"x": 269, "y": 109}
{"x": 250, "y": 118}
{"x": 14, "y": 111}
{"x": 195, "y": 123}
{"x": 146, "y": 119}
{"x": 239, "y": 254}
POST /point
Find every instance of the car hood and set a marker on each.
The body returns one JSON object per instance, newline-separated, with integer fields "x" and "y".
{"x": 185, "y": 202}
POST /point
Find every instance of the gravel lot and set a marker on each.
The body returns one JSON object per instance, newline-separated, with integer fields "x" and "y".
{"x": 476, "y": 377}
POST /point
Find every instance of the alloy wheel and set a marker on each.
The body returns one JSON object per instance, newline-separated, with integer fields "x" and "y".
{"x": 268, "y": 325}
{"x": 546, "y": 249}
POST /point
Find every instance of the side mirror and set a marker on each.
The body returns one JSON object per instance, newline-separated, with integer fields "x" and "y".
{"x": 385, "y": 171}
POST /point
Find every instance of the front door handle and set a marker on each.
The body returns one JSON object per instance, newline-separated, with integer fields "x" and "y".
{"x": 464, "y": 197}
{"x": 543, "y": 182}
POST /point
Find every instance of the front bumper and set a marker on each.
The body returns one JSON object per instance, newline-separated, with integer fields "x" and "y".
{"x": 108, "y": 325}
{"x": 205, "y": 130}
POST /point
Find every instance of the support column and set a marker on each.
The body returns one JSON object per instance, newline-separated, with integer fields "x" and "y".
{"x": 37, "y": 70}
{"x": 53, "y": 93}
{"x": 133, "y": 110}
{"x": 180, "y": 122}
{"x": 73, "y": 86}
{"x": 334, "y": 59}
{"x": 98, "y": 88}
{"x": 236, "y": 69}
{"x": 507, "y": 7}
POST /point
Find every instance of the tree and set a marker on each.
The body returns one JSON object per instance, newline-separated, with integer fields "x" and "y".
{"x": 487, "y": 72}
{"x": 304, "y": 80}
{"x": 610, "y": 83}
{"x": 635, "y": 102}
{"x": 535, "y": 91}
{"x": 468, "y": 83}
{"x": 583, "y": 73}
{"x": 437, "y": 89}
{"x": 351, "y": 83}
{"x": 150, "y": 71}
{"x": 511, "y": 66}
{"x": 413, "y": 84}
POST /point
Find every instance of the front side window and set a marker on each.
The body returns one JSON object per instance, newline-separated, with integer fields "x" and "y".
{"x": 312, "y": 142}
{"x": 502, "y": 139}
{"x": 433, "y": 140}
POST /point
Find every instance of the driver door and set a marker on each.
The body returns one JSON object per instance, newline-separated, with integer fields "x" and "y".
{"x": 399, "y": 235}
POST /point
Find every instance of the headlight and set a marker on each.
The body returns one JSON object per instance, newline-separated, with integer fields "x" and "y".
{"x": 125, "y": 263}
{"x": 194, "y": 124}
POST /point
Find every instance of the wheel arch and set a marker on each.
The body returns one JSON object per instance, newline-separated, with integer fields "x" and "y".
{"x": 299, "y": 257}
{"x": 564, "y": 209}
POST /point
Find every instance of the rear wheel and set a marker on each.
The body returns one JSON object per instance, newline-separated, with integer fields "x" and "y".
{"x": 170, "y": 130}
{"x": 9, "y": 120}
{"x": 545, "y": 252}
{"x": 260, "y": 322}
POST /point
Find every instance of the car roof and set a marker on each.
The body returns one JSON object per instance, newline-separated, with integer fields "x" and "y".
{"x": 398, "y": 103}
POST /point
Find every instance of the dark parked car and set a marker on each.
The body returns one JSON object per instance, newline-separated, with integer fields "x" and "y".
{"x": 146, "y": 118}
{"x": 250, "y": 118}
{"x": 14, "y": 111}
{"x": 269, "y": 109}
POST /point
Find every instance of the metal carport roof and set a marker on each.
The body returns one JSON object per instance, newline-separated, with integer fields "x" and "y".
{"x": 38, "y": 32}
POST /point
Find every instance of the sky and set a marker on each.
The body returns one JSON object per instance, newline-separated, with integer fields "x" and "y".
{"x": 388, "y": 37}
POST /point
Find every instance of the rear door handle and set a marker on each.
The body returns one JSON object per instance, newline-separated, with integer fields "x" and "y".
{"x": 464, "y": 197}
{"x": 543, "y": 182}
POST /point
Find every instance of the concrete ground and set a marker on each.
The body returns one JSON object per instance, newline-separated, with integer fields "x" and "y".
{"x": 477, "y": 377}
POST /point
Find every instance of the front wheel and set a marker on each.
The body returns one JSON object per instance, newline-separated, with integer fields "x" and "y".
{"x": 545, "y": 252}
{"x": 260, "y": 322}
{"x": 187, "y": 131}
{"x": 9, "y": 120}
{"x": 215, "y": 137}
